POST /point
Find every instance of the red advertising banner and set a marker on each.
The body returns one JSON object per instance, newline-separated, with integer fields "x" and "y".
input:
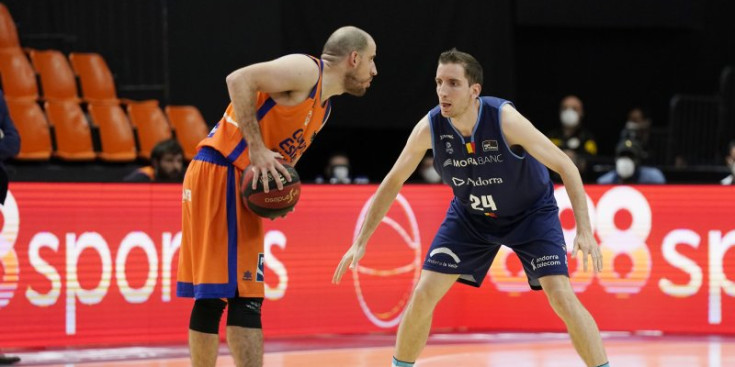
{"x": 92, "y": 264}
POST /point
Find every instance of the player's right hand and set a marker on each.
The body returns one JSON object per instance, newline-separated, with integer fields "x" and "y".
{"x": 263, "y": 162}
{"x": 349, "y": 261}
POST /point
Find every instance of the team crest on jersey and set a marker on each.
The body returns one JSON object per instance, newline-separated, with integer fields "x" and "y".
{"x": 293, "y": 145}
{"x": 489, "y": 145}
{"x": 449, "y": 148}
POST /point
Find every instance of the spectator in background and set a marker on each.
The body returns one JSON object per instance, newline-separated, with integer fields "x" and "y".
{"x": 9, "y": 145}
{"x": 571, "y": 136}
{"x": 638, "y": 128}
{"x": 628, "y": 168}
{"x": 730, "y": 160}
{"x": 337, "y": 171}
{"x": 426, "y": 171}
{"x": 167, "y": 164}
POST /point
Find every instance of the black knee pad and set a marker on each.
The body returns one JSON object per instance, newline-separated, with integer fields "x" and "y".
{"x": 244, "y": 312}
{"x": 206, "y": 314}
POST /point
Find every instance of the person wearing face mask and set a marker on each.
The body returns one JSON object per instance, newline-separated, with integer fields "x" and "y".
{"x": 730, "y": 160}
{"x": 426, "y": 173}
{"x": 637, "y": 126}
{"x": 571, "y": 135}
{"x": 338, "y": 171}
{"x": 628, "y": 168}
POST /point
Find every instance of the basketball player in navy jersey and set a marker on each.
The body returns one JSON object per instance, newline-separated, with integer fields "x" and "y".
{"x": 496, "y": 162}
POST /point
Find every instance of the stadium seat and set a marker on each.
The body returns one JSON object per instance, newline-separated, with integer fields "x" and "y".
{"x": 35, "y": 135}
{"x": 95, "y": 77}
{"x": 73, "y": 135}
{"x": 116, "y": 134}
{"x": 8, "y": 32}
{"x": 189, "y": 126}
{"x": 150, "y": 124}
{"x": 57, "y": 78}
{"x": 18, "y": 78}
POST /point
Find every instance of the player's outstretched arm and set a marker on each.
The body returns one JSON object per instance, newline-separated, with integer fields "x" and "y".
{"x": 519, "y": 131}
{"x": 291, "y": 73}
{"x": 416, "y": 146}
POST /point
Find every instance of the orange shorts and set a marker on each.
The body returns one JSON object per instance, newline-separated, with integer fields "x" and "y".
{"x": 221, "y": 254}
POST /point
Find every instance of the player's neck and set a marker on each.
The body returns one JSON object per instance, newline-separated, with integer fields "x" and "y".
{"x": 466, "y": 121}
{"x": 332, "y": 83}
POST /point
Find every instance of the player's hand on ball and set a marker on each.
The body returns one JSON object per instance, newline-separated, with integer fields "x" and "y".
{"x": 264, "y": 161}
{"x": 349, "y": 261}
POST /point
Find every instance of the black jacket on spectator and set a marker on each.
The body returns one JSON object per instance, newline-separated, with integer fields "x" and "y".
{"x": 9, "y": 145}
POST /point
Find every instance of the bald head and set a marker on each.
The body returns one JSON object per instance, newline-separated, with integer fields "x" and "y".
{"x": 343, "y": 41}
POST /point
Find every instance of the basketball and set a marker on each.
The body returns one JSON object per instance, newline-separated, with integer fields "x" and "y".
{"x": 274, "y": 203}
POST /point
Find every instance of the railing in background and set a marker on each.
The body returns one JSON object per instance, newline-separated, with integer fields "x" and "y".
{"x": 693, "y": 130}
{"x": 726, "y": 130}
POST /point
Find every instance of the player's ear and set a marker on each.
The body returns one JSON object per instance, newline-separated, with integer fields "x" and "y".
{"x": 353, "y": 58}
{"x": 476, "y": 89}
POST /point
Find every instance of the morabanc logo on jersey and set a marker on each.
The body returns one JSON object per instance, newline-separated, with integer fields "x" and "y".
{"x": 479, "y": 161}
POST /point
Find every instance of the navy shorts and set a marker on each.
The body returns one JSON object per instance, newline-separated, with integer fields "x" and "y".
{"x": 466, "y": 244}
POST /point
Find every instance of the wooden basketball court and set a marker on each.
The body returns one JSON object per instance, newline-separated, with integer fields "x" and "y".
{"x": 487, "y": 350}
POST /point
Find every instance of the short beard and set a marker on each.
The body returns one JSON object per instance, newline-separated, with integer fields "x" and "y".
{"x": 353, "y": 85}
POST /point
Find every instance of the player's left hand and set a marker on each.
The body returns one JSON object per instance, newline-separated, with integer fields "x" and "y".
{"x": 349, "y": 261}
{"x": 585, "y": 242}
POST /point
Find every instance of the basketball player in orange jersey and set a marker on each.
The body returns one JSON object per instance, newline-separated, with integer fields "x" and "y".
{"x": 277, "y": 109}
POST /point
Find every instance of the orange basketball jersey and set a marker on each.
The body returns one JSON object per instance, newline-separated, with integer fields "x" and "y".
{"x": 221, "y": 254}
{"x": 288, "y": 130}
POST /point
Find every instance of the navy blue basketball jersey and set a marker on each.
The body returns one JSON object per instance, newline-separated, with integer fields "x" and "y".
{"x": 487, "y": 178}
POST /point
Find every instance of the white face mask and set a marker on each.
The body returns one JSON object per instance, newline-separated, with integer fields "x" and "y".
{"x": 341, "y": 172}
{"x": 430, "y": 175}
{"x": 625, "y": 167}
{"x": 569, "y": 117}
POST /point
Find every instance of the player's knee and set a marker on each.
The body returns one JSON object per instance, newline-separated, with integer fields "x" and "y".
{"x": 424, "y": 297}
{"x": 206, "y": 314}
{"x": 563, "y": 302}
{"x": 244, "y": 312}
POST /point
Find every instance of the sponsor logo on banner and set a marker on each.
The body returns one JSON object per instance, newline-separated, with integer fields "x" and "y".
{"x": 478, "y": 161}
{"x": 72, "y": 268}
{"x": 412, "y": 240}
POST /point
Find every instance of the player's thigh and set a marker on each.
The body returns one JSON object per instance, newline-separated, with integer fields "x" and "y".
{"x": 556, "y": 286}
{"x": 432, "y": 286}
